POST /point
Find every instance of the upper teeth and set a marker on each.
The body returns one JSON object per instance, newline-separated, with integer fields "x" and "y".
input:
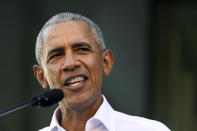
{"x": 76, "y": 79}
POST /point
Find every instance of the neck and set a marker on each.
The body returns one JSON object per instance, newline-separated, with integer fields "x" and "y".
{"x": 75, "y": 119}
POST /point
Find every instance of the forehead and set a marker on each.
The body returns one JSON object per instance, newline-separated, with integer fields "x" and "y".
{"x": 70, "y": 31}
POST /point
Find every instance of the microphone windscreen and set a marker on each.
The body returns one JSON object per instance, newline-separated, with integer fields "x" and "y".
{"x": 49, "y": 98}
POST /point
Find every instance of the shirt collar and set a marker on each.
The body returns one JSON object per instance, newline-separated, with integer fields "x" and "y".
{"x": 55, "y": 119}
{"x": 103, "y": 114}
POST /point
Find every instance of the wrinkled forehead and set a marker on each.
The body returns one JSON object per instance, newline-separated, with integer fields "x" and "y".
{"x": 73, "y": 28}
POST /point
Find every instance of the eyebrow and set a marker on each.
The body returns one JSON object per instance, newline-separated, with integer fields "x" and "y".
{"x": 79, "y": 44}
{"x": 58, "y": 49}
{"x": 75, "y": 45}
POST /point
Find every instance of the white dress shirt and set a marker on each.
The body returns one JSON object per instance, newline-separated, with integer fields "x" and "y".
{"x": 107, "y": 119}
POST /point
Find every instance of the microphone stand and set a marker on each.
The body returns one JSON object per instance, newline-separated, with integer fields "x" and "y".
{"x": 21, "y": 106}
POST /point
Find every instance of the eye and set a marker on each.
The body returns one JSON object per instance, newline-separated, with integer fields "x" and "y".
{"x": 83, "y": 50}
{"x": 54, "y": 56}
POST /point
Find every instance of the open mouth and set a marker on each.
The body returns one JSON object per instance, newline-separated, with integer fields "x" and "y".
{"x": 75, "y": 81}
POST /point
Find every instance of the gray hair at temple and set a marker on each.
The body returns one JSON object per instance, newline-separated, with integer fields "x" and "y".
{"x": 64, "y": 17}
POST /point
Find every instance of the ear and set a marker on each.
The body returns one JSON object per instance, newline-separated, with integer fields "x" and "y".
{"x": 108, "y": 61}
{"x": 39, "y": 74}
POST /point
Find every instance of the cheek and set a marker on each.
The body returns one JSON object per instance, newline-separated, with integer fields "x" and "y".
{"x": 96, "y": 70}
{"x": 53, "y": 77}
{"x": 93, "y": 63}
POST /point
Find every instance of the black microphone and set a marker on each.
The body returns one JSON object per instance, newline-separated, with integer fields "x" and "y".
{"x": 44, "y": 100}
{"x": 48, "y": 98}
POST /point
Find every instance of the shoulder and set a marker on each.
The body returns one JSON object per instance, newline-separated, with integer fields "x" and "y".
{"x": 138, "y": 123}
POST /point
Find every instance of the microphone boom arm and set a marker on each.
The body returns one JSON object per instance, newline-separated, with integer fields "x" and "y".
{"x": 21, "y": 106}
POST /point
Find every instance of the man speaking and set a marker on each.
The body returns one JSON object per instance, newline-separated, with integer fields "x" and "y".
{"x": 71, "y": 56}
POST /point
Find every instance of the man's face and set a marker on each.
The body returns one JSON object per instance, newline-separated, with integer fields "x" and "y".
{"x": 72, "y": 61}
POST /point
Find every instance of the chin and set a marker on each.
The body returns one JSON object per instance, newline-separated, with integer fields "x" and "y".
{"x": 79, "y": 103}
{"x": 78, "y": 106}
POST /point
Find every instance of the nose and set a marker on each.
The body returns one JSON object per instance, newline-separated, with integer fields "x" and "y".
{"x": 70, "y": 62}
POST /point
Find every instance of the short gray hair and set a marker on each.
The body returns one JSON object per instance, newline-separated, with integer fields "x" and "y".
{"x": 64, "y": 17}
